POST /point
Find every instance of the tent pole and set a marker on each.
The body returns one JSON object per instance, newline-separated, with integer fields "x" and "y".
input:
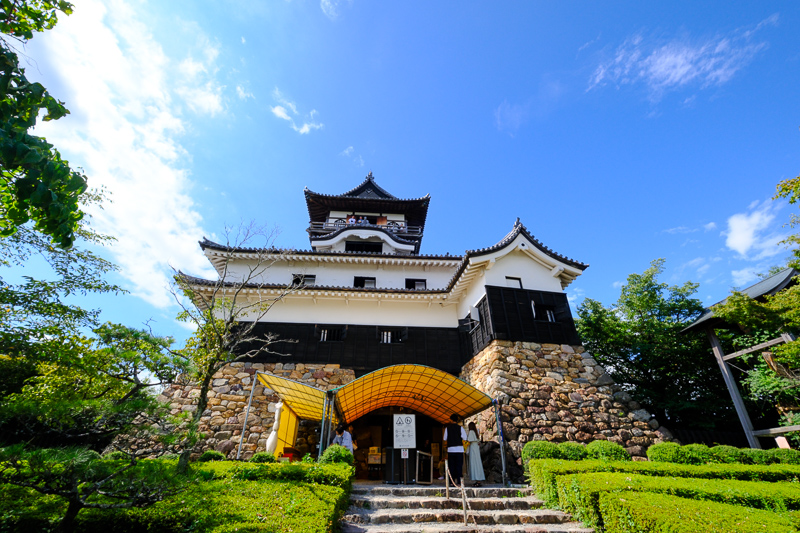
{"x": 247, "y": 415}
{"x": 322, "y": 428}
{"x": 499, "y": 425}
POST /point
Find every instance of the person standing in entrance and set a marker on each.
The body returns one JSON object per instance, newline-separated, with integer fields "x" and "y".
{"x": 343, "y": 438}
{"x": 454, "y": 437}
{"x": 475, "y": 464}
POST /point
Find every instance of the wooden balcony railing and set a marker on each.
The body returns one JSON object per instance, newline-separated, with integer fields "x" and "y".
{"x": 321, "y": 228}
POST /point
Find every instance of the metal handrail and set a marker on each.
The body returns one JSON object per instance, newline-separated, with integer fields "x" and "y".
{"x": 336, "y": 224}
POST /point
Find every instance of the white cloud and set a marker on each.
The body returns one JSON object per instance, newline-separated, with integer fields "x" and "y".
{"x": 710, "y": 226}
{"x": 197, "y": 84}
{"x": 331, "y": 8}
{"x": 285, "y": 106}
{"x": 744, "y": 277}
{"x": 509, "y": 117}
{"x": 243, "y": 94}
{"x": 752, "y": 234}
{"x": 125, "y": 99}
{"x": 679, "y": 63}
{"x": 680, "y": 229}
{"x": 618, "y": 284}
{"x": 357, "y": 159}
{"x": 243, "y": 41}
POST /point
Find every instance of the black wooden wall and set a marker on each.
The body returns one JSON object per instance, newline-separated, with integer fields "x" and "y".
{"x": 360, "y": 348}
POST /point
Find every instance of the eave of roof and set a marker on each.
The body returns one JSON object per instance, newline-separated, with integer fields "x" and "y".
{"x": 766, "y": 287}
{"x": 368, "y": 183}
{"x": 372, "y": 227}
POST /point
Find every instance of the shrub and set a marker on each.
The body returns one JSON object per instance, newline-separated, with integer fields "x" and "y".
{"x": 572, "y": 451}
{"x": 579, "y": 494}
{"x": 543, "y": 474}
{"x": 263, "y": 457}
{"x": 607, "y": 451}
{"x": 759, "y": 457}
{"x": 665, "y": 452}
{"x": 211, "y": 455}
{"x": 336, "y": 454}
{"x": 785, "y": 456}
{"x": 309, "y": 459}
{"x": 697, "y": 454}
{"x": 539, "y": 449}
{"x": 336, "y": 474}
{"x": 629, "y": 512}
{"x": 727, "y": 454}
{"x": 116, "y": 455}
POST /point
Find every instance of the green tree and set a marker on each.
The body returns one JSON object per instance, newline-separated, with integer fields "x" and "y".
{"x": 639, "y": 340}
{"x": 36, "y": 184}
{"x": 225, "y": 313}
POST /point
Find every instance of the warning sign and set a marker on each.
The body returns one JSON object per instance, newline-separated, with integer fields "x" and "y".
{"x": 405, "y": 431}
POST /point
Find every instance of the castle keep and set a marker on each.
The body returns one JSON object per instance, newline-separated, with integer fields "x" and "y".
{"x": 364, "y": 298}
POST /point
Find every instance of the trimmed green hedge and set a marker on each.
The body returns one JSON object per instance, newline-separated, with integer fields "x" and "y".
{"x": 607, "y": 451}
{"x": 543, "y": 472}
{"x": 229, "y": 497}
{"x": 579, "y": 494}
{"x": 631, "y": 512}
{"x": 335, "y": 474}
{"x": 698, "y": 454}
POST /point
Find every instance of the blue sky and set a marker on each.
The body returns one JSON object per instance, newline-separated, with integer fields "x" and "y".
{"x": 617, "y": 133}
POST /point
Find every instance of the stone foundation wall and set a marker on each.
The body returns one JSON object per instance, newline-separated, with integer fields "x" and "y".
{"x": 556, "y": 393}
{"x": 227, "y": 402}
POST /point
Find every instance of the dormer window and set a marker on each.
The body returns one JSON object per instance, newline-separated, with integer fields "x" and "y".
{"x": 364, "y": 283}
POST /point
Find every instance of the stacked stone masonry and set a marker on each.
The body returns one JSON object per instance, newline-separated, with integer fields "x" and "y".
{"x": 556, "y": 393}
{"x": 223, "y": 419}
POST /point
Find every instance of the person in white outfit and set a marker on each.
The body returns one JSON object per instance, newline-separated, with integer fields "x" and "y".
{"x": 475, "y": 464}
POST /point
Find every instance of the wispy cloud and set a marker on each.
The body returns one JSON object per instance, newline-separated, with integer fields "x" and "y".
{"x": 680, "y": 62}
{"x": 744, "y": 277}
{"x": 332, "y": 8}
{"x": 509, "y": 117}
{"x": 287, "y": 110}
{"x": 710, "y": 226}
{"x": 349, "y": 152}
{"x": 197, "y": 83}
{"x": 127, "y": 99}
{"x": 243, "y": 94}
{"x": 680, "y": 230}
{"x": 752, "y": 235}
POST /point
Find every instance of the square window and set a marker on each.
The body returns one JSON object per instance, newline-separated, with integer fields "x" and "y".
{"x": 516, "y": 283}
{"x": 364, "y": 283}
{"x": 304, "y": 280}
{"x": 331, "y": 333}
{"x": 416, "y": 284}
{"x": 392, "y": 336}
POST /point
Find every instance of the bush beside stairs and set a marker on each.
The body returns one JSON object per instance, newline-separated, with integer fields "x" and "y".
{"x": 397, "y": 509}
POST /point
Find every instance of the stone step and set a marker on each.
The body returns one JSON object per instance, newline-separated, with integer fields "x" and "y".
{"x": 439, "y": 490}
{"x": 459, "y": 527}
{"x": 477, "y": 503}
{"x": 416, "y": 516}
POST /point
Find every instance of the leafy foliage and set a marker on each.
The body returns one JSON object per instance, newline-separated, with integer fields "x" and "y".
{"x": 607, "y": 451}
{"x": 639, "y": 341}
{"x": 336, "y": 453}
{"x": 211, "y": 455}
{"x": 629, "y": 512}
{"x": 263, "y": 457}
{"x": 572, "y": 451}
{"x": 35, "y": 182}
{"x": 85, "y": 480}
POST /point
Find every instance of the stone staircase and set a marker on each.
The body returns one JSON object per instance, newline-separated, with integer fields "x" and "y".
{"x": 396, "y": 509}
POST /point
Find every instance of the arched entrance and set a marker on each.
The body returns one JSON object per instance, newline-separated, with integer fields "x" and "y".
{"x": 432, "y": 394}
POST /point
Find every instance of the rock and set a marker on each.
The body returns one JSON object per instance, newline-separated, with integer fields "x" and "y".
{"x": 622, "y": 397}
{"x": 604, "y": 379}
{"x": 641, "y": 415}
{"x": 225, "y": 446}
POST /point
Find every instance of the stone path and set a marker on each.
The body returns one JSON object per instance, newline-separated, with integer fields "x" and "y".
{"x": 416, "y": 508}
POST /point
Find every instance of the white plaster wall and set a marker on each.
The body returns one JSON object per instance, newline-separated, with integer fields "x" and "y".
{"x": 302, "y": 309}
{"x": 342, "y": 274}
{"x": 519, "y": 265}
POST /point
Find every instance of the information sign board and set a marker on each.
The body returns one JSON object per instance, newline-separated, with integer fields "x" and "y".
{"x": 405, "y": 431}
{"x": 404, "y": 453}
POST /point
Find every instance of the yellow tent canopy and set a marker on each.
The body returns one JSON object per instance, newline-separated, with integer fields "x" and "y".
{"x": 426, "y": 390}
